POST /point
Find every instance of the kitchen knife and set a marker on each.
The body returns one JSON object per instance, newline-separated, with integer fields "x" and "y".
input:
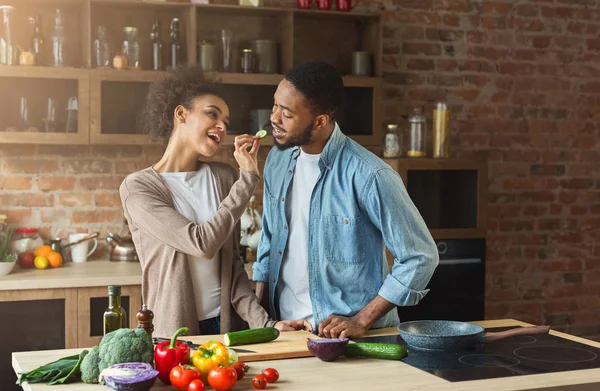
{"x": 192, "y": 345}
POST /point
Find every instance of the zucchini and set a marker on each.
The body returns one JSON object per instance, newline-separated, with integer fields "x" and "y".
{"x": 385, "y": 351}
{"x": 248, "y": 337}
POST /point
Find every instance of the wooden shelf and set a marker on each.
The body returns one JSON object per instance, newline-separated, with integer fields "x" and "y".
{"x": 42, "y": 72}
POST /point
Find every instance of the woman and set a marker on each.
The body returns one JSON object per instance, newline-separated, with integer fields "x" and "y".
{"x": 183, "y": 213}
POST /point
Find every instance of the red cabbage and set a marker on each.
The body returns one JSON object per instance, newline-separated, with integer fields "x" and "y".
{"x": 327, "y": 349}
{"x": 131, "y": 376}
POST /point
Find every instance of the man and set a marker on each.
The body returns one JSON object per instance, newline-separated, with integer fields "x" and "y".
{"x": 330, "y": 209}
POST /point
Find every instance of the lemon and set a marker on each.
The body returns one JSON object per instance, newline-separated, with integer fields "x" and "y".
{"x": 41, "y": 262}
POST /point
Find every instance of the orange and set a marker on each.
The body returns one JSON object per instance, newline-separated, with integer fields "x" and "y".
{"x": 41, "y": 262}
{"x": 43, "y": 251}
{"x": 55, "y": 259}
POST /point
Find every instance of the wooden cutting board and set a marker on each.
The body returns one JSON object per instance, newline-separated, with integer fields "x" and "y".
{"x": 290, "y": 344}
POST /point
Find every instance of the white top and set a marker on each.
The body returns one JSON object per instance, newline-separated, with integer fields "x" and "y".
{"x": 196, "y": 197}
{"x": 294, "y": 297}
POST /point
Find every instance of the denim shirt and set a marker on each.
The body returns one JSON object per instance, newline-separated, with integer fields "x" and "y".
{"x": 358, "y": 207}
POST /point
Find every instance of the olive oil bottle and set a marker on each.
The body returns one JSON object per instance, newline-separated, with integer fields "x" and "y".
{"x": 115, "y": 316}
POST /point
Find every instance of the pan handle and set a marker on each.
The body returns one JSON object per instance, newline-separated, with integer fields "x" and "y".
{"x": 533, "y": 330}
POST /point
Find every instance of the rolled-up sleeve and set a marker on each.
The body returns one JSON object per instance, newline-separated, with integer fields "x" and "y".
{"x": 406, "y": 236}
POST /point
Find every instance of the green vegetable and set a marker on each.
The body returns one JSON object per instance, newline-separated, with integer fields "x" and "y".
{"x": 261, "y": 133}
{"x": 376, "y": 350}
{"x": 233, "y": 356}
{"x": 90, "y": 366}
{"x": 5, "y": 255}
{"x": 64, "y": 370}
{"x": 125, "y": 345}
{"x": 247, "y": 337}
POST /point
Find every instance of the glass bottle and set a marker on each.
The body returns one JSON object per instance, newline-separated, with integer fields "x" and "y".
{"x": 131, "y": 47}
{"x": 175, "y": 49}
{"x": 58, "y": 41}
{"x": 157, "y": 47}
{"x": 417, "y": 124}
{"x": 115, "y": 316}
{"x": 102, "y": 52}
{"x": 145, "y": 317}
{"x": 8, "y": 48}
{"x": 37, "y": 41}
{"x": 393, "y": 141}
{"x": 441, "y": 130}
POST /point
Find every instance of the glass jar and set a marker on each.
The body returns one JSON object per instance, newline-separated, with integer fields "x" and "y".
{"x": 8, "y": 48}
{"x": 392, "y": 146}
{"x": 441, "y": 130}
{"x": 131, "y": 47}
{"x": 102, "y": 52}
{"x": 26, "y": 240}
{"x": 417, "y": 129}
{"x": 247, "y": 61}
{"x": 58, "y": 41}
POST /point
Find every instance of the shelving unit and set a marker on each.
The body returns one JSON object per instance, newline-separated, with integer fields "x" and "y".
{"x": 110, "y": 99}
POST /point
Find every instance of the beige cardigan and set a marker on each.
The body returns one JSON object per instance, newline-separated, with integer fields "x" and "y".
{"x": 163, "y": 237}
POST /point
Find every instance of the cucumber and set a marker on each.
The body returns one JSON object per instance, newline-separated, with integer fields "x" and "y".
{"x": 261, "y": 133}
{"x": 385, "y": 351}
{"x": 247, "y": 337}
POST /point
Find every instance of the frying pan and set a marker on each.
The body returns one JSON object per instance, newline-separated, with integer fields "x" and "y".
{"x": 452, "y": 335}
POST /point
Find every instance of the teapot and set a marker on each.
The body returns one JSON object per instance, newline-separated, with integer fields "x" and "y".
{"x": 122, "y": 248}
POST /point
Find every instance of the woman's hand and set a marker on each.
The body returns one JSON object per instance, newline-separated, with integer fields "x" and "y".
{"x": 293, "y": 325}
{"x": 246, "y": 152}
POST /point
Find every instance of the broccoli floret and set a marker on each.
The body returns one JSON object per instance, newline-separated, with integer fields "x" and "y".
{"x": 90, "y": 366}
{"x": 125, "y": 345}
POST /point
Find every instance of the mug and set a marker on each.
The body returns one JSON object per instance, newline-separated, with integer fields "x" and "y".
{"x": 323, "y": 4}
{"x": 304, "y": 4}
{"x": 345, "y": 5}
{"x": 79, "y": 252}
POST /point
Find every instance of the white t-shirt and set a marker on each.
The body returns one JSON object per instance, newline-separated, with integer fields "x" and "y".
{"x": 196, "y": 198}
{"x": 293, "y": 289}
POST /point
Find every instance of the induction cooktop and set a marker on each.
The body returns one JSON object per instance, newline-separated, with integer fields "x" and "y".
{"x": 523, "y": 355}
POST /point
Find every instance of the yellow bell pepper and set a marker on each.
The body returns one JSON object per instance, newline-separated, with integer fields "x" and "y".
{"x": 210, "y": 355}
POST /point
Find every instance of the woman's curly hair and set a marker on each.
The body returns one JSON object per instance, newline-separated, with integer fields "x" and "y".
{"x": 181, "y": 86}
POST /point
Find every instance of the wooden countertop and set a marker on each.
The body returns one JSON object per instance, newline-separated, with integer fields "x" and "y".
{"x": 355, "y": 374}
{"x": 76, "y": 275}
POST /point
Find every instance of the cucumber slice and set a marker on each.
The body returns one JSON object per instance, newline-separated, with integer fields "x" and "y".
{"x": 248, "y": 337}
{"x": 383, "y": 351}
{"x": 261, "y": 133}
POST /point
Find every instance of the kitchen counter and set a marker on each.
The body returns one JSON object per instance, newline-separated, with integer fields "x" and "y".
{"x": 356, "y": 374}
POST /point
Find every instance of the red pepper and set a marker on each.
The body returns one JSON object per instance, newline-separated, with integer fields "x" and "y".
{"x": 168, "y": 355}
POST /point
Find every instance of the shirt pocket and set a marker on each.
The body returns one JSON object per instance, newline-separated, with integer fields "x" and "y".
{"x": 342, "y": 239}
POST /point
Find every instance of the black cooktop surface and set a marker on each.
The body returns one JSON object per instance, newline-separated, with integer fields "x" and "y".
{"x": 524, "y": 355}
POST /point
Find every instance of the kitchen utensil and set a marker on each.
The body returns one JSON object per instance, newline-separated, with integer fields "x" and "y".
{"x": 345, "y": 5}
{"x": 452, "y": 335}
{"x": 192, "y": 345}
{"x": 55, "y": 245}
{"x": 122, "y": 248}
{"x": 83, "y": 239}
{"x": 79, "y": 251}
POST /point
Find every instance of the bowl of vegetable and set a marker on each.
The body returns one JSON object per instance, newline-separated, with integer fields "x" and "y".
{"x": 7, "y": 260}
{"x": 7, "y": 264}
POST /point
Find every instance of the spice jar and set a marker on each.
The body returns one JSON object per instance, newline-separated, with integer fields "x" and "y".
{"x": 393, "y": 142}
{"x": 247, "y": 61}
{"x": 441, "y": 130}
{"x": 417, "y": 125}
{"x": 26, "y": 240}
{"x": 131, "y": 47}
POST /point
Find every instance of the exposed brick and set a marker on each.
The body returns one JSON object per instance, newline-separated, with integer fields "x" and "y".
{"x": 31, "y": 166}
{"x": 27, "y": 199}
{"x": 51, "y": 183}
{"x": 15, "y": 182}
{"x": 75, "y": 199}
{"x": 96, "y": 216}
{"x": 110, "y": 199}
{"x": 88, "y": 166}
{"x": 420, "y": 64}
{"x": 421, "y": 48}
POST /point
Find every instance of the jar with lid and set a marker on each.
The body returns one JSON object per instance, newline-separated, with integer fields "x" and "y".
{"x": 392, "y": 146}
{"x": 441, "y": 130}
{"x": 131, "y": 47}
{"x": 247, "y": 61}
{"x": 26, "y": 240}
{"x": 417, "y": 129}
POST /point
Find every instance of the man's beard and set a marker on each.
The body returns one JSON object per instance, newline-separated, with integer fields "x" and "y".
{"x": 297, "y": 140}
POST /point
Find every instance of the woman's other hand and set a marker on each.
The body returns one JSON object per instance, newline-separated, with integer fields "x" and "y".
{"x": 246, "y": 152}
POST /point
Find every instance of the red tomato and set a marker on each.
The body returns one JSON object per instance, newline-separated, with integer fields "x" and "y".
{"x": 241, "y": 369}
{"x": 182, "y": 375}
{"x": 259, "y": 382}
{"x": 222, "y": 379}
{"x": 196, "y": 385}
{"x": 271, "y": 375}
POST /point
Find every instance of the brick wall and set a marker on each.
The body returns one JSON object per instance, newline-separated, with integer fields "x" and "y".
{"x": 521, "y": 80}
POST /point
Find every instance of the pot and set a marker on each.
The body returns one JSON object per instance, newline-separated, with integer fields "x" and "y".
{"x": 444, "y": 335}
{"x": 122, "y": 248}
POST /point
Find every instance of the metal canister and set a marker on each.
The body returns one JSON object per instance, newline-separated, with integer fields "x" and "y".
{"x": 208, "y": 57}
{"x": 247, "y": 61}
{"x": 265, "y": 51}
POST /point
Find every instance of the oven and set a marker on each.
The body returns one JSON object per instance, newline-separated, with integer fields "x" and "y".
{"x": 457, "y": 287}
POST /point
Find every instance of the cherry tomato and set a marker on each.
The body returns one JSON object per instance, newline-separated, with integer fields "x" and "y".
{"x": 241, "y": 369}
{"x": 182, "y": 375}
{"x": 196, "y": 385}
{"x": 222, "y": 379}
{"x": 271, "y": 375}
{"x": 259, "y": 382}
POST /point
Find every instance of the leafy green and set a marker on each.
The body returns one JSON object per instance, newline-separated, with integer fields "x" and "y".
{"x": 61, "y": 371}
{"x": 5, "y": 255}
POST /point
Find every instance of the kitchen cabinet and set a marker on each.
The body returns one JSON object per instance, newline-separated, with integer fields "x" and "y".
{"x": 110, "y": 100}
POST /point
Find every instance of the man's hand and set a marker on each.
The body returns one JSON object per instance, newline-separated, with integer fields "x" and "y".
{"x": 293, "y": 325}
{"x": 336, "y": 326}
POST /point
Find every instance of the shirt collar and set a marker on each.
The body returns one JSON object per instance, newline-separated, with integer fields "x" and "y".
{"x": 333, "y": 146}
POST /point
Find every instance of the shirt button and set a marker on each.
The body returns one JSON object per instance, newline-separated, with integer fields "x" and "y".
{"x": 345, "y": 221}
{"x": 274, "y": 280}
{"x": 285, "y": 227}
{"x": 282, "y": 198}
{"x": 278, "y": 252}
{"x": 289, "y": 171}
